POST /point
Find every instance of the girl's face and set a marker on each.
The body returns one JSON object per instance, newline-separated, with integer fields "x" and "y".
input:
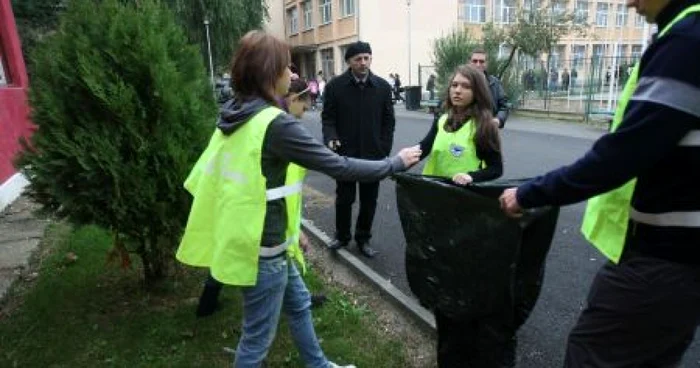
{"x": 297, "y": 105}
{"x": 282, "y": 85}
{"x": 461, "y": 94}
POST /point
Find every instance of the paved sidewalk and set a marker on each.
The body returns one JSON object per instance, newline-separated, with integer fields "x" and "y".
{"x": 20, "y": 234}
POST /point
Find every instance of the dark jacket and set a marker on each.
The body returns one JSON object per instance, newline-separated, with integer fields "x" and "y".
{"x": 500, "y": 100}
{"x": 647, "y": 145}
{"x": 287, "y": 140}
{"x": 362, "y": 118}
{"x": 430, "y": 86}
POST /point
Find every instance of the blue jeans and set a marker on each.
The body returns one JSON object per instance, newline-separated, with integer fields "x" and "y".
{"x": 279, "y": 287}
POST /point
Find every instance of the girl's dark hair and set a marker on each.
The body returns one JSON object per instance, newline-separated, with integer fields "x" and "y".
{"x": 258, "y": 63}
{"x": 486, "y": 135}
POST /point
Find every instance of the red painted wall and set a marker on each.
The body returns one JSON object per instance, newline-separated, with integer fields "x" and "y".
{"x": 14, "y": 109}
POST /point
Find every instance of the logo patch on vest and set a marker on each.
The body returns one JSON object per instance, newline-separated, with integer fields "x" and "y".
{"x": 456, "y": 150}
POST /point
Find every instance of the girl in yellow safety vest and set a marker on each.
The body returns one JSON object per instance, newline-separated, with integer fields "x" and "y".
{"x": 463, "y": 145}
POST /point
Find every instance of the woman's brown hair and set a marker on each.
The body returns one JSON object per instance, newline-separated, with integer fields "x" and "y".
{"x": 257, "y": 65}
{"x": 486, "y": 135}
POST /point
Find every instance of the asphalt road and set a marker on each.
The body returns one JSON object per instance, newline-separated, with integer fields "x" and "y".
{"x": 530, "y": 148}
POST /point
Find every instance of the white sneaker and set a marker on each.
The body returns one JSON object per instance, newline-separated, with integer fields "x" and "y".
{"x": 333, "y": 365}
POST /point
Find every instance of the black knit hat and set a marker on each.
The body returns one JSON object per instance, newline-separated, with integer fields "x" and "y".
{"x": 358, "y": 47}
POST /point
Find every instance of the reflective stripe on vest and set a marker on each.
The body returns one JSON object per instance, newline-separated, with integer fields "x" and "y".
{"x": 692, "y": 139}
{"x": 452, "y": 152}
{"x": 225, "y": 225}
{"x": 678, "y": 219}
{"x": 606, "y": 218}
{"x": 277, "y": 249}
{"x": 295, "y": 174}
{"x": 284, "y": 191}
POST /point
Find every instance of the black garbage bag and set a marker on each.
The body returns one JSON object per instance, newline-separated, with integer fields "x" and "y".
{"x": 463, "y": 255}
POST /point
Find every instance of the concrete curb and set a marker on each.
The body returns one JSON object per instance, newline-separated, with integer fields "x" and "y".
{"x": 423, "y": 317}
{"x": 20, "y": 235}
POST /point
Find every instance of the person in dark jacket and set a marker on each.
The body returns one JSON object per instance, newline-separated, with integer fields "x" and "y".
{"x": 397, "y": 89}
{"x": 358, "y": 121}
{"x": 643, "y": 305}
{"x": 498, "y": 95}
{"x": 430, "y": 86}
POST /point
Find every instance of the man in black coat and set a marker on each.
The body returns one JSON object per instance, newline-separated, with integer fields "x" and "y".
{"x": 358, "y": 121}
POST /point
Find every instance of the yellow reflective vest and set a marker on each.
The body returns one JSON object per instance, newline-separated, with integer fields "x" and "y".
{"x": 230, "y": 196}
{"x": 607, "y": 215}
{"x": 452, "y": 152}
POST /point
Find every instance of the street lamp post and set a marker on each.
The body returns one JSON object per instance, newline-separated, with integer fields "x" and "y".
{"x": 211, "y": 63}
{"x": 408, "y": 10}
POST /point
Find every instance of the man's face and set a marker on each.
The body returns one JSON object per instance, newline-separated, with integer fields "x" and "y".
{"x": 649, "y": 9}
{"x": 478, "y": 61}
{"x": 360, "y": 64}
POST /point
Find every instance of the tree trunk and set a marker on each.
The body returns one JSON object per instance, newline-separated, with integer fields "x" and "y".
{"x": 507, "y": 64}
{"x": 155, "y": 261}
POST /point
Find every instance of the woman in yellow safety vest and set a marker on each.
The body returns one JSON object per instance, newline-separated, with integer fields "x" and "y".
{"x": 296, "y": 102}
{"x": 463, "y": 145}
{"x": 244, "y": 224}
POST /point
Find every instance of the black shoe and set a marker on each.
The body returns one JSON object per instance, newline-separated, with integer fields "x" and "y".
{"x": 366, "y": 250}
{"x": 208, "y": 302}
{"x": 337, "y": 244}
{"x": 317, "y": 300}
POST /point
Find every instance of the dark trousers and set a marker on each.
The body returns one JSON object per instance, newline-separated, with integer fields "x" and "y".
{"x": 397, "y": 95}
{"x": 345, "y": 197}
{"x": 473, "y": 343}
{"x": 641, "y": 313}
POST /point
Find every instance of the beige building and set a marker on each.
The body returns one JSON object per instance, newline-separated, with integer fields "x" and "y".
{"x": 612, "y": 30}
{"x": 320, "y": 30}
{"x": 401, "y": 32}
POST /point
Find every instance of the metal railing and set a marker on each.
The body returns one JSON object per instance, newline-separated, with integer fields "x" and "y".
{"x": 588, "y": 87}
{"x": 581, "y": 86}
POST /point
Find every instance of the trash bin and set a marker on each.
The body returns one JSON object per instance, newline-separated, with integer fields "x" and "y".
{"x": 412, "y": 96}
{"x": 464, "y": 256}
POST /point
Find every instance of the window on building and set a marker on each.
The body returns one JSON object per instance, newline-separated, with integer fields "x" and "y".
{"x": 343, "y": 49}
{"x": 598, "y": 52}
{"x": 505, "y": 11}
{"x": 327, "y": 62}
{"x": 326, "y": 14}
{"x": 636, "y": 52}
{"x": 347, "y": 8}
{"x": 556, "y": 59}
{"x": 578, "y": 55}
{"x": 307, "y": 9}
{"x": 621, "y": 16}
{"x": 581, "y": 12}
{"x": 601, "y": 15}
{"x": 621, "y": 51}
{"x": 558, "y": 8}
{"x": 293, "y": 17}
{"x": 472, "y": 11}
{"x": 639, "y": 21}
{"x": 530, "y": 5}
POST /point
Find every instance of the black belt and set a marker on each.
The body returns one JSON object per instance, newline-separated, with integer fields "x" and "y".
{"x": 676, "y": 244}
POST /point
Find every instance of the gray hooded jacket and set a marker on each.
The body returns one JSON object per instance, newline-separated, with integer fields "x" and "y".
{"x": 287, "y": 140}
